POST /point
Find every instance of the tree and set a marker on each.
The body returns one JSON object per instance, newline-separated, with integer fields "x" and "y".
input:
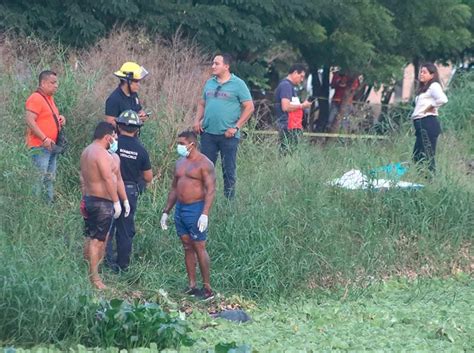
{"x": 468, "y": 52}
{"x": 431, "y": 30}
{"x": 355, "y": 35}
{"x": 242, "y": 28}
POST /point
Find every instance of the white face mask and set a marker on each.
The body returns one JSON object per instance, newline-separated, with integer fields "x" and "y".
{"x": 113, "y": 147}
{"x": 182, "y": 150}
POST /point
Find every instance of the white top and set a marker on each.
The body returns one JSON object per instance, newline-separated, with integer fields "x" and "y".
{"x": 434, "y": 96}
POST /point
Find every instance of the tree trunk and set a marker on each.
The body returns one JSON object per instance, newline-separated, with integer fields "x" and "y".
{"x": 322, "y": 92}
{"x": 314, "y": 74}
{"x": 416, "y": 69}
{"x": 386, "y": 97}
{"x": 364, "y": 94}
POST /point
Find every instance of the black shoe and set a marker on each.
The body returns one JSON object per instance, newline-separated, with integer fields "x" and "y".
{"x": 192, "y": 291}
{"x": 206, "y": 295}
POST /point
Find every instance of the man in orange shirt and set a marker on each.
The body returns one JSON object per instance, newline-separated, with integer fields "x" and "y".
{"x": 43, "y": 124}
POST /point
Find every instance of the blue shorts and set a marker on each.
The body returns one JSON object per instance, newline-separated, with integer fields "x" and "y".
{"x": 186, "y": 217}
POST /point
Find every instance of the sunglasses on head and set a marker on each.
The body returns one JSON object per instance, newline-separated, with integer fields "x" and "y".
{"x": 216, "y": 92}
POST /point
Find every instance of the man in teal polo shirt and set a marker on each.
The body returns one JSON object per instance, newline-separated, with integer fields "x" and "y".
{"x": 225, "y": 106}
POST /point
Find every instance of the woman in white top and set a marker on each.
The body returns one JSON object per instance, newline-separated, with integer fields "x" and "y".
{"x": 429, "y": 97}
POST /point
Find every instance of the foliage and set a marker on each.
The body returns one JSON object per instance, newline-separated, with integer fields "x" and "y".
{"x": 243, "y": 28}
{"x": 469, "y": 51}
{"x": 460, "y": 111}
{"x": 373, "y": 37}
{"x": 129, "y": 325}
{"x": 421, "y": 315}
{"x": 40, "y": 285}
{"x": 42, "y": 271}
{"x": 232, "y": 348}
{"x": 286, "y": 235}
{"x": 431, "y": 30}
{"x": 357, "y": 37}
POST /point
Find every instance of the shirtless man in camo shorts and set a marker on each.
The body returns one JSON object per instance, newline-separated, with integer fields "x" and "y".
{"x": 102, "y": 186}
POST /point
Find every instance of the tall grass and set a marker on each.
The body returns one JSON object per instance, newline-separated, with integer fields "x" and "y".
{"x": 287, "y": 232}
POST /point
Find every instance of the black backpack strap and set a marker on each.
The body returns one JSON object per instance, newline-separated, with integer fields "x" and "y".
{"x": 56, "y": 120}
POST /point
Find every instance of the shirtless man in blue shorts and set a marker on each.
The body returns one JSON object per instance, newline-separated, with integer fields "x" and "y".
{"x": 192, "y": 190}
{"x": 102, "y": 186}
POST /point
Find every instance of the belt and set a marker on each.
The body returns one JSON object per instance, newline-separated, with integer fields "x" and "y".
{"x": 131, "y": 185}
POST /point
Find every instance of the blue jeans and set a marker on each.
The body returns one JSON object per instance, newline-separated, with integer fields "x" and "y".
{"x": 211, "y": 145}
{"x": 45, "y": 162}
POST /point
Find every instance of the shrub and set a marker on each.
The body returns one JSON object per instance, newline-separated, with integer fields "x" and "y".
{"x": 130, "y": 325}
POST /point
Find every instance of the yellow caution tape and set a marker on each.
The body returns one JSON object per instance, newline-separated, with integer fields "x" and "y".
{"x": 324, "y": 134}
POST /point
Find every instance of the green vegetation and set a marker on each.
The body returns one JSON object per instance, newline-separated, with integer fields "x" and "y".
{"x": 372, "y": 37}
{"x": 289, "y": 242}
{"x": 416, "y": 316}
{"x": 428, "y": 316}
{"x": 121, "y": 324}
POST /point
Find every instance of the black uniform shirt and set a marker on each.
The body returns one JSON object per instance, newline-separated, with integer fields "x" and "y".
{"x": 134, "y": 158}
{"x": 119, "y": 102}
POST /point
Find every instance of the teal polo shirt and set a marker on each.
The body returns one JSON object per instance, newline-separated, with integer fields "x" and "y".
{"x": 223, "y": 104}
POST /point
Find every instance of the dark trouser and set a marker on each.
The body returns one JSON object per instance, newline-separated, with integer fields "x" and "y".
{"x": 123, "y": 231}
{"x": 211, "y": 145}
{"x": 427, "y": 130}
{"x": 288, "y": 139}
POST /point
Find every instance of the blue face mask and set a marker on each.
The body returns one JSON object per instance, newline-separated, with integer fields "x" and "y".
{"x": 113, "y": 147}
{"x": 182, "y": 150}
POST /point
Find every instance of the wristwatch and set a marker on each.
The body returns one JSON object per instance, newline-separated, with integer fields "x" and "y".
{"x": 237, "y": 128}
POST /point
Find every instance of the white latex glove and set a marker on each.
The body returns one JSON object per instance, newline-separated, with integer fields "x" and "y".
{"x": 164, "y": 218}
{"x": 202, "y": 223}
{"x": 117, "y": 209}
{"x": 126, "y": 204}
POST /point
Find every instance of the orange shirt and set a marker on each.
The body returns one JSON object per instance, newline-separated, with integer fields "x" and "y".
{"x": 44, "y": 118}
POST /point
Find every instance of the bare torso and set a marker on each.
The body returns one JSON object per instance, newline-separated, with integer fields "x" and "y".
{"x": 94, "y": 183}
{"x": 190, "y": 181}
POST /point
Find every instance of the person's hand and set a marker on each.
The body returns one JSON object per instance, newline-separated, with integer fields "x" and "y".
{"x": 230, "y": 132}
{"x": 143, "y": 116}
{"x": 48, "y": 143}
{"x": 83, "y": 209}
{"x": 203, "y": 222}
{"x": 62, "y": 120}
{"x": 164, "y": 218}
{"x": 126, "y": 205}
{"x": 197, "y": 127}
{"x": 306, "y": 104}
{"x": 117, "y": 209}
{"x": 430, "y": 109}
